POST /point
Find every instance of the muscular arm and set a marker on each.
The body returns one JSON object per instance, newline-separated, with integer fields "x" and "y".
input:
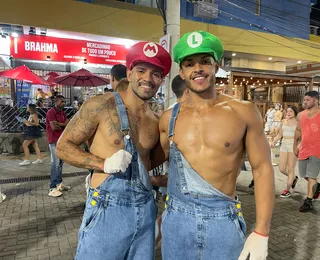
{"x": 81, "y": 127}
{"x": 161, "y": 152}
{"x": 297, "y": 136}
{"x": 259, "y": 157}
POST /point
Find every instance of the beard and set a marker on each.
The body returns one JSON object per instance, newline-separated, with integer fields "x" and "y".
{"x": 200, "y": 91}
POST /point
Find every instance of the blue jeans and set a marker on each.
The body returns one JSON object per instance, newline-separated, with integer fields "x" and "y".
{"x": 116, "y": 228}
{"x": 201, "y": 233}
{"x": 56, "y": 167}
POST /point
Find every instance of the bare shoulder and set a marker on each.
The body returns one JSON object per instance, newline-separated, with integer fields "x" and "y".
{"x": 239, "y": 106}
{"x": 95, "y": 106}
{"x": 299, "y": 115}
{"x": 164, "y": 119}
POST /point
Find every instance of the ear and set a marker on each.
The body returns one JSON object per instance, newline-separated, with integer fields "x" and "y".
{"x": 217, "y": 65}
{"x": 129, "y": 75}
{"x": 181, "y": 74}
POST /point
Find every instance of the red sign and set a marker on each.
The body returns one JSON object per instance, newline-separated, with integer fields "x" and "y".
{"x": 34, "y": 47}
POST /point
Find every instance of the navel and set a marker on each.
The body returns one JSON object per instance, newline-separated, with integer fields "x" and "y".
{"x": 226, "y": 144}
{"x": 117, "y": 142}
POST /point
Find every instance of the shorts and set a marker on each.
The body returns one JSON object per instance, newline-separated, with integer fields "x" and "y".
{"x": 309, "y": 168}
{"x": 286, "y": 147}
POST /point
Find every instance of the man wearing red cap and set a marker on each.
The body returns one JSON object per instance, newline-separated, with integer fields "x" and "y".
{"x": 206, "y": 137}
{"x": 120, "y": 213}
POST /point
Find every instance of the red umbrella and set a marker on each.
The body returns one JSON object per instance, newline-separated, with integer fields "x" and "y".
{"x": 23, "y": 73}
{"x": 82, "y": 78}
{"x": 50, "y": 76}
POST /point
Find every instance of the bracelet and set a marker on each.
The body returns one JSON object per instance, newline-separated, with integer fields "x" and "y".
{"x": 260, "y": 234}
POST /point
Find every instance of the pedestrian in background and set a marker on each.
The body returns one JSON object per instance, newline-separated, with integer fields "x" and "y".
{"x": 31, "y": 134}
{"x": 56, "y": 121}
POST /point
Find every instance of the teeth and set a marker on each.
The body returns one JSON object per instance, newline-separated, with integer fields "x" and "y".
{"x": 199, "y": 78}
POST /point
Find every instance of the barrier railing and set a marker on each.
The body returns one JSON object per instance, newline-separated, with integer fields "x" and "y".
{"x": 9, "y": 122}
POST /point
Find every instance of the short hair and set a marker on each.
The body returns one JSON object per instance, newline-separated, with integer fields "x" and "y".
{"x": 178, "y": 86}
{"x": 312, "y": 93}
{"x": 295, "y": 110}
{"x": 33, "y": 109}
{"x": 58, "y": 97}
{"x": 122, "y": 85}
{"x": 119, "y": 71}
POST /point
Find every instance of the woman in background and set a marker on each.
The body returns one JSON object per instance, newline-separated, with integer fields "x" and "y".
{"x": 288, "y": 160}
{"x": 31, "y": 135}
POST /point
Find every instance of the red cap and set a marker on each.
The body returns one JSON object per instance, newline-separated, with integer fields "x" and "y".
{"x": 149, "y": 52}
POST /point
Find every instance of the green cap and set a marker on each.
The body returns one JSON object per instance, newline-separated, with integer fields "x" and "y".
{"x": 195, "y": 43}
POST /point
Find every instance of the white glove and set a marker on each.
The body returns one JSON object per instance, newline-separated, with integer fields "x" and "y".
{"x": 118, "y": 162}
{"x": 257, "y": 246}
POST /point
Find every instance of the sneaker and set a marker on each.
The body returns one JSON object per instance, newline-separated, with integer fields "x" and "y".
{"x": 25, "y": 162}
{"x": 54, "y": 193}
{"x": 251, "y": 185}
{"x": 295, "y": 182}
{"x": 37, "y": 161}
{"x": 316, "y": 190}
{"x": 62, "y": 187}
{"x": 285, "y": 194}
{"x": 2, "y": 197}
{"x": 306, "y": 206}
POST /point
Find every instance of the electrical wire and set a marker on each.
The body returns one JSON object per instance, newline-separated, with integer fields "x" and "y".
{"x": 312, "y": 7}
{"x": 94, "y": 20}
{"x": 310, "y": 54}
{"x": 316, "y": 46}
{"x": 295, "y": 24}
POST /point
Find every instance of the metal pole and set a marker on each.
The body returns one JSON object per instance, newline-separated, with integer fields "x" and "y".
{"x": 173, "y": 29}
{"x": 13, "y": 84}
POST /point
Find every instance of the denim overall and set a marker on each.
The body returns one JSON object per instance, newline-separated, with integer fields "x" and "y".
{"x": 119, "y": 218}
{"x": 199, "y": 222}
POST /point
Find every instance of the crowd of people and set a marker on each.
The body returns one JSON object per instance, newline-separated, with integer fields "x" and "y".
{"x": 195, "y": 142}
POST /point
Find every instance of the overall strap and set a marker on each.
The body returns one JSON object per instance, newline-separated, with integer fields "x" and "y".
{"x": 122, "y": 112}
{"x": 175, "y": 112}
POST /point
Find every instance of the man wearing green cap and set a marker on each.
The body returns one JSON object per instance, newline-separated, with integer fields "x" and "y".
{"x": 206, "y": 137}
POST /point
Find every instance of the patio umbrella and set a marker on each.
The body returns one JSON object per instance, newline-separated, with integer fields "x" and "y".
{"x": 23, "y": 73}
{"x": 81, "y": 78}
{"x": 50, "y": 76}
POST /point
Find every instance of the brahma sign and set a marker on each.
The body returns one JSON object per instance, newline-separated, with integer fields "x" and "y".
{"x": 34, "y": 47}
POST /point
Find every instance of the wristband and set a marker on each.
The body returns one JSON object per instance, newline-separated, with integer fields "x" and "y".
{"x": 260, "y": 234}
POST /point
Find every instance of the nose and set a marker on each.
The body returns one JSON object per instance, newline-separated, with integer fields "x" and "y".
{"x": 198, "y": 67}
{"x": 148, "y": 76}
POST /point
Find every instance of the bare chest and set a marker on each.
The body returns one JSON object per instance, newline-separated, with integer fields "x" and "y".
{"x": 220, "y": 131}
{"x": 142, "y": 130}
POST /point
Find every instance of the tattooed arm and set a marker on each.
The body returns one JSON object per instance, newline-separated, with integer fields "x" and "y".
{"x": 81, "y": 127}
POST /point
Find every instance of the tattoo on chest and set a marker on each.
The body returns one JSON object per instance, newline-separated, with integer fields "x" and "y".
{"x": 134, "y": 126}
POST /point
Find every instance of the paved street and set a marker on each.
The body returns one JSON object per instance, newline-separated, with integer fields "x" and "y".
{"x": 34, "y": 226}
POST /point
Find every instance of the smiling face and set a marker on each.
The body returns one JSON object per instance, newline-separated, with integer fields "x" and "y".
{"x": 199, "y": 71}
{"x": 145, "y": 80}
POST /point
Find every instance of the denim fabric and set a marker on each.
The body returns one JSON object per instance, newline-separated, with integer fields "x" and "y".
{"x": 119, "y": 218}
{"x": 56, "y": 167}
{"x": 199, "y": 222}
